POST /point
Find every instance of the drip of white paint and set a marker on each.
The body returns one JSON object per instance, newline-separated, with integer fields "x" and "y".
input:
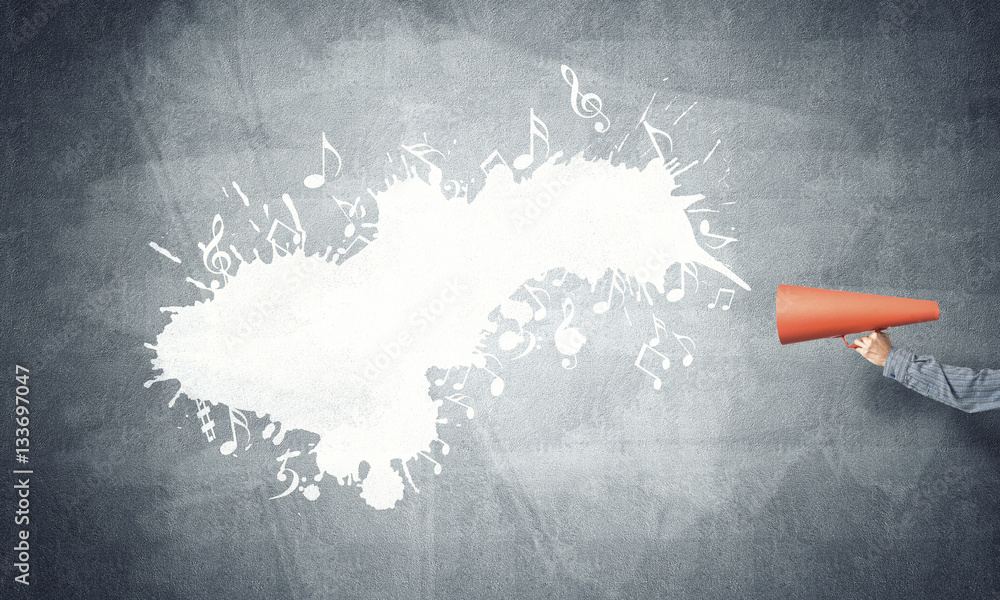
{"x": 164, "y": 252}
{"x": 342, "y": 350}
{"x": 246, "y": 201}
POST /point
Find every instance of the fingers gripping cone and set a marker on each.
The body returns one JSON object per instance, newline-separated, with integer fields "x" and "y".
{"x": 804, "y": 313}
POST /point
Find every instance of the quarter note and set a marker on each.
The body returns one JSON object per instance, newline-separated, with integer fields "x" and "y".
{"x": 542, "y": 132}
{"x": 558, "y": 281}
{"x": 732, "y": 294}
{"x": 461, "y": 384}
{"x": 318, "y": 179}
{"x": 440, "y": 381}
{"x": 617, "y": 283}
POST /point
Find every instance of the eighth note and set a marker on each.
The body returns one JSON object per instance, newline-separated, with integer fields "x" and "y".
{"x": 524, "y": 161}
{"x": 235, "y": 417}
{"x": 541, "y": 312}
{"x": 677, "y": 293}
{"x": 657, "y": 326}
{"x": 732, "y": 294}
{"x": 350, "y": 228}
{"x": 680, "y": 340}
{"x": 318, "y": 179}
{"x": 652, "y": 132}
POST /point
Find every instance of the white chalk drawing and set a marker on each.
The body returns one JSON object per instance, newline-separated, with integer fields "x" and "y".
{"x": 339, "y": 343}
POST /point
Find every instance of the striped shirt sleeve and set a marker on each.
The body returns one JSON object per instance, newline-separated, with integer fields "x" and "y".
{"x": 959, "y": 387}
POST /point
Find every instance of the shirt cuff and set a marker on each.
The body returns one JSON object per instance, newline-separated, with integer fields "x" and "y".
{"x": 896, "y": 363}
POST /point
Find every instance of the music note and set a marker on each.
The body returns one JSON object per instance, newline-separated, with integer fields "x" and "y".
{"x": 690, "y": 357}
{"x": 479, "y": 360}
{"x": 301, "y": 238}
{"x": 469, "y": 412}
{"x": 704, "y": 231}
{"x": 677, "y": 293}
{"x": 617, "y": 283}
{"x": 343, "y": 251}
{"x": 657, "y": 326}
{"x": 235, "y": 417}
{"x": 298, "y": 234}
{"x": 461, "y": 384}
{"x": 732, "y": 294}
{"x": 350, "y": 228}
{"x": 441, "y": 380}
{"x": 652, "y": 132}
{"x": 490, "y": 162}
{"x": 219, "y": 261}
{"x": 496, "y": 387}
{"x": 568, "y": 339}
{"x": 589, "y": 106}
{"x": 279, "y": 248}
{"x": 558, "y": 281}
{"x": 318, "y": 179}
{"x": 664, "y": 363}
{"x": 434, "y": 175}
{"x": 524, "y": 161}
{"x": 541, "y": 312}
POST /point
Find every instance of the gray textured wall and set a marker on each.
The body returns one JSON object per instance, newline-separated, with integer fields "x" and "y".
{"x": 861, "y": 138}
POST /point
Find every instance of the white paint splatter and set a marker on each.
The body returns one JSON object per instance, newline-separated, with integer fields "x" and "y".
{"x": 343, "y": 350}
{"x": 164, "y": 252}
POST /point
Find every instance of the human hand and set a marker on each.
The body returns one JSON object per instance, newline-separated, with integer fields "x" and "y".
{"x": 875, "y": 347}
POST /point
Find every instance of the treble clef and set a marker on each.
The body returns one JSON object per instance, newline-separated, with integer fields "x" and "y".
{"x": 568, "y": 339}
{"x": 215, "y": 260}
{"x": 589, "y": 105}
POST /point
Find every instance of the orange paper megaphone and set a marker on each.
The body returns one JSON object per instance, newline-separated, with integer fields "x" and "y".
{"x": 805, "y": 313}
